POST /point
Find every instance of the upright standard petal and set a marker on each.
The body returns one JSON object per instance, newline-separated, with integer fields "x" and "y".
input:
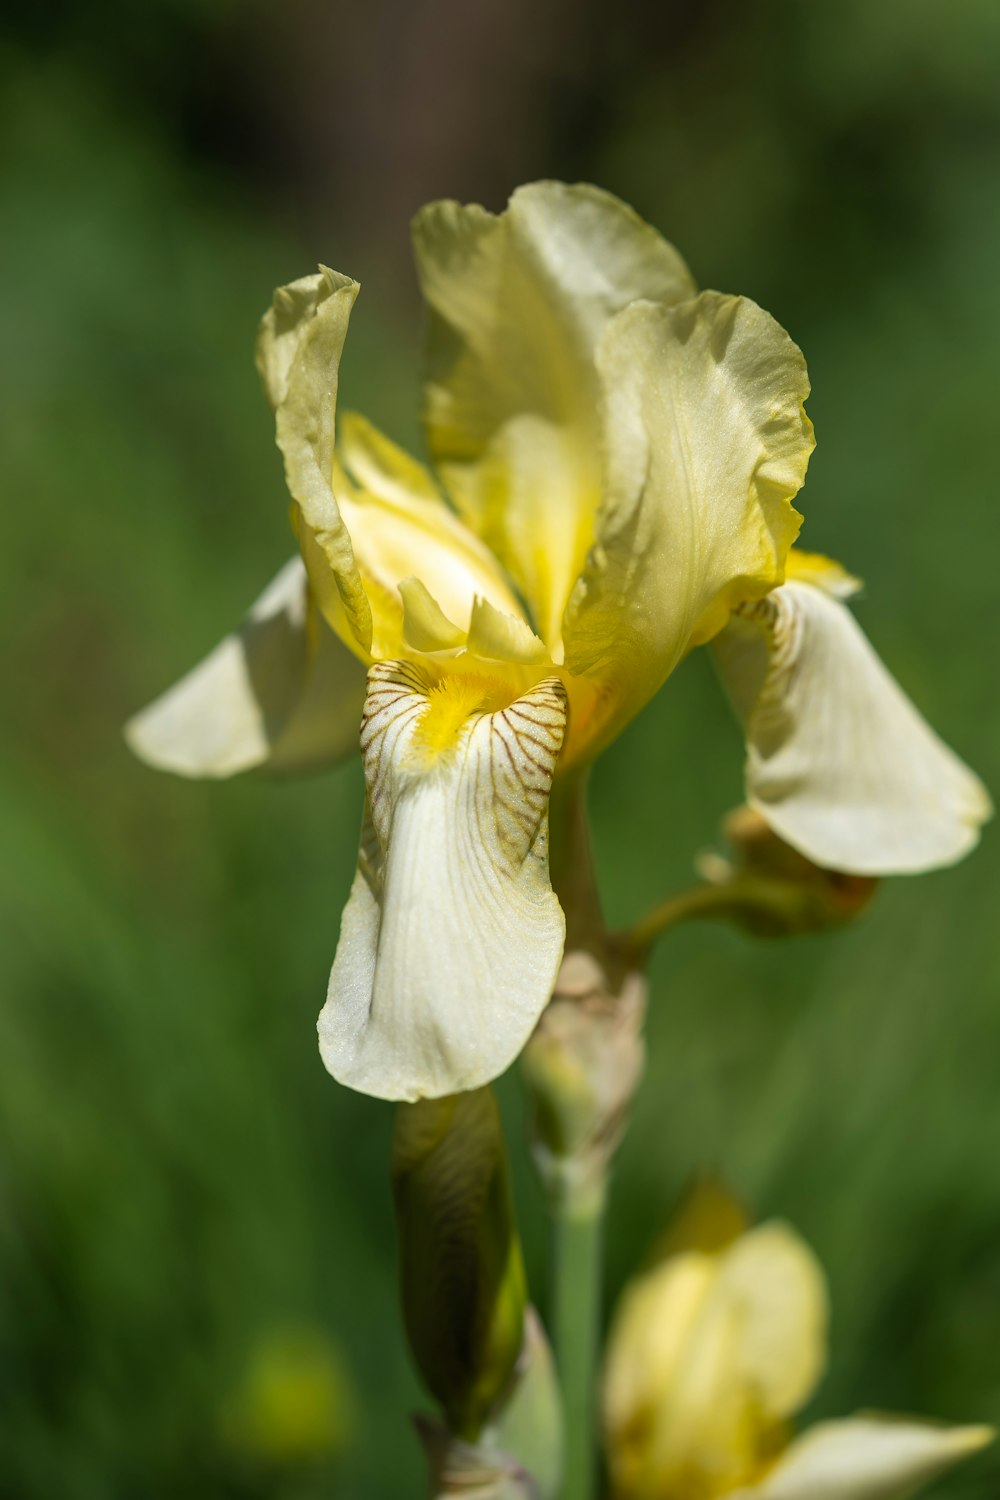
{"x": 867, "y": 1458}
{"x": 281, "y": 692}
{"x": 452, "y": 935}
{"x": 518, "y": 303}
{"x": 707, "y": 444}
{"x": 839, "y": 761}
{"x": 299, "y": 346}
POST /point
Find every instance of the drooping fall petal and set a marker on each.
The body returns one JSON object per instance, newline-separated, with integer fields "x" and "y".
{"x": 452, "y": 935}
{"x": 839, "y": 761}
{"x": 867, "y": 1458}
{"x": 281, "y": 692}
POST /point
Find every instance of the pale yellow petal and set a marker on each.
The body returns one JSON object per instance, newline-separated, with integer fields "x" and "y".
{"x": 777, "y": 1287}
{"x": 867, "y": 1458}
{"x": 647, "y": 1352}
{"x": 425, "y": 625}
{"x": 497, "y": 636}
{"x": 381, "y": 467}
{"x": 298, "y": 353}
{"x": 400, "y": 529}
{"x": 452, "y": 936}
{"x": 518, "y": 302}
{"x": 822, "y": 572}
{"x": 281, "y": 692}
{"x": 710, "y": 1353}
{"x": 707, "y": 444}
{"x": 839, "y": 761}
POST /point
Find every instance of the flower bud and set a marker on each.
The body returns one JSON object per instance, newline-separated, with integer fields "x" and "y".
{"x": 711, "y": 1352}
{"x": 519, "y": 1456}
{"x": 582, "y": 1067}
{"x": 775, "y": 890}
{"x": 462, "y": 1275}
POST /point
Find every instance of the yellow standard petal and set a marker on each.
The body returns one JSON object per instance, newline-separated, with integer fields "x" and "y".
{"x": 281, "y": 692}
{"x": 839, "y": 761}
{"x": 518, "y": 303}
{"x": 867, "y": 1457}
{"x": 403, "y": 533}
{"x": 452, "y": 936}
{"x": 710, "y": 1353}
{"x": 707, "y": 444}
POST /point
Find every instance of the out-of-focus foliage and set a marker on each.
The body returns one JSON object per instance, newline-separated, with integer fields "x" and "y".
{"x": 178, "y": 1176}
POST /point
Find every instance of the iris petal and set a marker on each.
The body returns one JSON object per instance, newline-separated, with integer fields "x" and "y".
{"x": 518, "y": 302}
{"x": 839, "y": 761}
{"x": 707, "y": 444}
{"x": 281, "y": 692}
{"x": 867, "y": 1458}
{"x": 452, "y": 935}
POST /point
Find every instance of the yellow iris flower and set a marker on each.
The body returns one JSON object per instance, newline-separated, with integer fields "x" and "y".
{"x": 615, "y": 456}
{"x": 714, "y": 1350}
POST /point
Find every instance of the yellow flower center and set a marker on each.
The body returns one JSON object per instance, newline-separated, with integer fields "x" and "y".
{"x": 450, "y": 703}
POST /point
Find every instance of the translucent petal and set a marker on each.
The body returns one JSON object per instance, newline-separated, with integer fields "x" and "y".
{"x": 707, "y": 444}
{"x": 867, "y": 1458}
{"x": 839, "y": 761}
{"x": 452, "y": 936}
{"x": 401, "y": 529}
{"x": 281, "y": 692}
{"x": 426, "y": 627}
{"x": 518, "y": 302}
{"x": 497, "y": 636}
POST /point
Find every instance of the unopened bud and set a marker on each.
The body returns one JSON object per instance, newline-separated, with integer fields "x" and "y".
{"x": 462, "y": 1275}
{"x": 582, "y": 1067}
{"x": 774, "y": 889}
{"x": 519, "y": 1456}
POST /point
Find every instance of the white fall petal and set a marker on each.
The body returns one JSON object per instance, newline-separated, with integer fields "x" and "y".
{"x": 867, "y": 1458}
{"x": 452, "y": 935}
{"x": 280, "y": 692}
{"x": 839, "y": 761}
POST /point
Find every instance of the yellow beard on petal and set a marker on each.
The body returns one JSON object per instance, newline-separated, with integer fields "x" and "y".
{"x": 450, "y": 703}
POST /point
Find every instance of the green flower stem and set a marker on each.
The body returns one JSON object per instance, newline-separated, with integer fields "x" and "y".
{"x": 573, "y": 1171}
{"x": 576, "y": 1329}
{"x": 758, "y": 902}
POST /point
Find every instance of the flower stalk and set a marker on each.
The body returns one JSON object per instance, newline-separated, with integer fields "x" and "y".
{"x": 582, "y": 1067}
{"x": 576, "y": 1319}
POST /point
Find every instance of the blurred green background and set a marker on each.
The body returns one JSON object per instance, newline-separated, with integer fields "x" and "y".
{"x": 197, "y": 1288}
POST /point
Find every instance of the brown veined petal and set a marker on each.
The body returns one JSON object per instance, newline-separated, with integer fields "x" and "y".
{"x": 839, "y": 761}
{"x": 452, "y": 935}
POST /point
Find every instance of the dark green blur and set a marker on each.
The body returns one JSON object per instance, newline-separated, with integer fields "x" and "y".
{"x": 195, "y": 1221}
